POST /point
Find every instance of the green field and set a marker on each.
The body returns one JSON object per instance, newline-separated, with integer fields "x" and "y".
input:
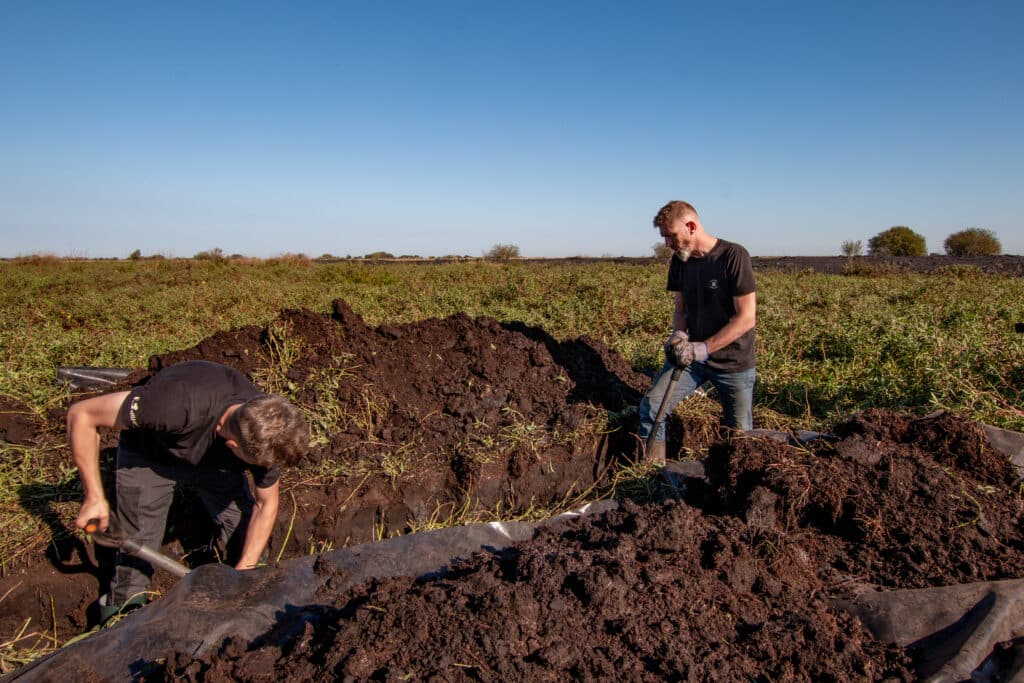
{"x": 827, "y": 344}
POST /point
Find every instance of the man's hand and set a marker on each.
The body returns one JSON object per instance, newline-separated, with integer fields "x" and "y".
{"x": 684, "y": 352}
{"x": 679, "y": 338}
{"x": 94, "y": 509}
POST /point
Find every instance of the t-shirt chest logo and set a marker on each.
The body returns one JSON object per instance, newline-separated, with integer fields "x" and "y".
{"x": 713, "y": 284}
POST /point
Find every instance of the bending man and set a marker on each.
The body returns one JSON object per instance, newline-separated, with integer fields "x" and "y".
{"x": 197, "y": 425}
{"x": 713, "y": 319}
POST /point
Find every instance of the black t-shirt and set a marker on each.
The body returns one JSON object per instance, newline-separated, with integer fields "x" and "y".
{"x": 708, "y": 284}
{"x": 176, "y": 412}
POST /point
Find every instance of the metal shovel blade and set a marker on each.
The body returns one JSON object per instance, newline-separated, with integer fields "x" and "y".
{"x": 112, "y": 539}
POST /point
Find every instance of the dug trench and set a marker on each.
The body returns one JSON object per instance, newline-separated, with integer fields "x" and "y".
{"x": 414, "y": 426}
{"x": 731, "y": 581}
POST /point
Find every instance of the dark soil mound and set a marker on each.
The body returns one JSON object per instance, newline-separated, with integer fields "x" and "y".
{"x": 895, "y": 501}
{"x": 18, "y": 424}
{"x": 881, "y": 265}
{"x": 653, "y": 592}
{"x": 420, "y": 419}
{"x": 416, "y": 424}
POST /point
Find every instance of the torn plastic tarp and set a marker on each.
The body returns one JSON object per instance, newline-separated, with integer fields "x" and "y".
{"x": 214, "y": 602}
{"x": 954, "y": 630}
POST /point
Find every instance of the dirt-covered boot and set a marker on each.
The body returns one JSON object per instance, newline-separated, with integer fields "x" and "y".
{"x": 109, "y": 612}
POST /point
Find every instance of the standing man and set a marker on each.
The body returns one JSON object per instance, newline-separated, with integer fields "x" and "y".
{"x": 713, "y": 320}
{"x": 197, "y": 425}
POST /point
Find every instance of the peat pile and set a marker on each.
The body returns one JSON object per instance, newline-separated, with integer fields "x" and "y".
{"x": 896, "y": 501}
{"x": 652, "y": 592}
{"x": 413, "y": 422}
{"x": 414, "y": 426}
{"x": 731, "y": 583}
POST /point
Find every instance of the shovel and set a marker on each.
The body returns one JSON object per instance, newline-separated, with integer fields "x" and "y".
{"x": 111, "y": 538}
{"x": 676, "y": 371}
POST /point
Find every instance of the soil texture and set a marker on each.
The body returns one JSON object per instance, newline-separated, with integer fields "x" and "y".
{"x": 727, "y": 578}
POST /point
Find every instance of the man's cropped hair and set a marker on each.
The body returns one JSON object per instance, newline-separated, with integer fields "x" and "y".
{"x": 672, "y": 212}
{"x": 271, "y": 431}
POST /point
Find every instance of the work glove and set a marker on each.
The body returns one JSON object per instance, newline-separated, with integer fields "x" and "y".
{"x": 681, "y": 351}
{"x": 678, "y": 339}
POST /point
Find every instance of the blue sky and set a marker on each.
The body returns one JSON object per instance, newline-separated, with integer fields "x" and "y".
{"x": 437, "y": 128}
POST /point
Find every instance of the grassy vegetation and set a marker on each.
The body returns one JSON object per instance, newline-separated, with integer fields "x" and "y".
{"x": 827, "y": 344}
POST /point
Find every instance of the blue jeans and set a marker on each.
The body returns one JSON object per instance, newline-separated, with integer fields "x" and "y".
{"x": 735, "y": 393}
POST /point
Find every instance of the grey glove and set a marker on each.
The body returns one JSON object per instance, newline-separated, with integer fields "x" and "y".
{"x": 681, "y": 351}
{"x": 677, "y": 340}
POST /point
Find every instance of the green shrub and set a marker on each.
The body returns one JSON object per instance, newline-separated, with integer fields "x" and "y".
{"x": 898, "y": 240}
{"x": 851, "y": 248}
{"x": 972, "y": 242}
{"x": 215, "y": 254}
{"x": 502, "y": 252}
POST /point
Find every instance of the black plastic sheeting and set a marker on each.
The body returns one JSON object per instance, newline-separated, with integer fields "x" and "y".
{"x": 969, "y": 631}
{"x": 214, "y": 602}
{"x": 85, "y": 378}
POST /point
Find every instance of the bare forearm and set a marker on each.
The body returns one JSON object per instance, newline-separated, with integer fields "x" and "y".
{"x": 744, "y": 320}
{"x": 258, "y": 534}
{"x": 85, "y": 450}
{"x": 83, "y": 423}
{"x": 679, "y": 314}
{"x": 679, "y": 322}
{"x": 733, "y": 330}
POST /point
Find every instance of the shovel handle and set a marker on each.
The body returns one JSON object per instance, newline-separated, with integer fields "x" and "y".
{"x": 676, "y": 372}
{"x": 105, "y": 538}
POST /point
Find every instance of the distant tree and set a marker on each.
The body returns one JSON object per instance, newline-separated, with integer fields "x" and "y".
{"x": 502, "y": 252}
{"x": 851, "y": 248}
{"x": 898, "y": 240}
{"x": 215, "y": 254}
{"x": 973, "y": 242}
{"x": 379, "y": 255}
{"x": 661, "y": 250}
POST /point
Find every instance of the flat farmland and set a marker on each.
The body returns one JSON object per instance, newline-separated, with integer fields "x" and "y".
{"x": 445, "y": 393}
{"x": 828, "y": 344}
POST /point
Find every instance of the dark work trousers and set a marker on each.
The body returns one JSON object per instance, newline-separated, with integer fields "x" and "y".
{"x": 145, "y": 488}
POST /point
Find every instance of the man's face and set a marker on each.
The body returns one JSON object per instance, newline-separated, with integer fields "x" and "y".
{"x": 678, "y": 238}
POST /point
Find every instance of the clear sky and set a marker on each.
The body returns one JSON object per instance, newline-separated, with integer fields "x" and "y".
{"x": 446, "y": 127}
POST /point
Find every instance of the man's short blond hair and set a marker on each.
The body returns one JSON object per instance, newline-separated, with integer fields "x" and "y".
{"x": 271, "y": 431}
{"x": 673, "y": 211}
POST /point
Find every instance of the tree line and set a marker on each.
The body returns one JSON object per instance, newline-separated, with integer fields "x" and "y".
{"x": 900, "y": 240}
